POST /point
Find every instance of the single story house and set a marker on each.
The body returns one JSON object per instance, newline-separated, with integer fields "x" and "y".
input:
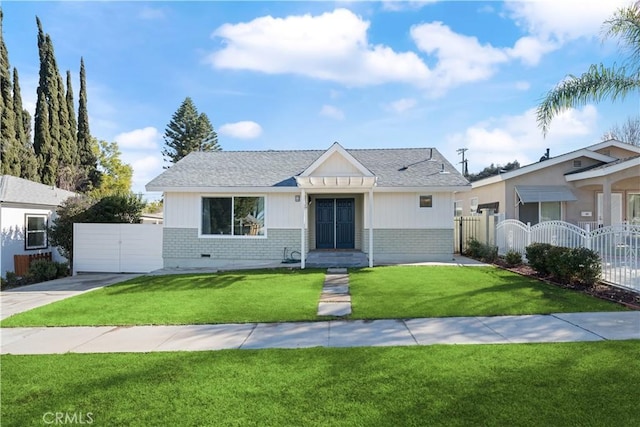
{"x": 26, "y": 210}
{"x": 391, "y": 204}
{"x": 596, "y": 185}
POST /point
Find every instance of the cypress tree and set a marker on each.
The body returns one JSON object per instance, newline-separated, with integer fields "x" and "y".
{"x": 28, "y": 163}
{"x": 46, "y": 155}
{"x": 9, "y": 151}
{"x": 87, "y": 158}
{"x": 73, "y": 123}
{"x": 47, "y": 129}
{"x": 67, "y": 151}
{"x": 187, "y": 131}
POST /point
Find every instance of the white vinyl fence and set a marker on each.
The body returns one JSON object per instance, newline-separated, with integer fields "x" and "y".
{"x": 618, "y": 245}
{"x": 117, "y": 248}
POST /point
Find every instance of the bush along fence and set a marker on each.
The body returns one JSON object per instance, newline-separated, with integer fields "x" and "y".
{"x": 618, "y": 246}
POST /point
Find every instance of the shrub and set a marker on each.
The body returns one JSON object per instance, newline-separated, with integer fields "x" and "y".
{"x": 568, "y": 265}
{"x": 62, "y": 269}
{"x": 42, "y": 270}
{"x": 481, "y": 251}
{"x": 560, "y": 263}
{"x": 588, "y": 266}
{"x": 537, "y": 256}
{"x": 513, "y": 258}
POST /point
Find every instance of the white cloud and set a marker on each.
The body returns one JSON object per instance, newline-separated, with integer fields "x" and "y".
{"x": 509, "y": 138}
{"x": 400, "y": 5}
{"x": 402, "y": 105}
{"x": 332, "y": 46}
{"x": 139, "y": 139}
{"x": 332, "y": 112}
{"x": 241, "y": 130}
{"x": 522, "y": 85}
{"x": 145, "y": 168}
{"x": 530, "y": 49}
{"x": 460, "y": 58}
{"x": 562, "y": 20}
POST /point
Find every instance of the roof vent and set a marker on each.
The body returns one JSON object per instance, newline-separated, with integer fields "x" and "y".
{"x": 545, "y": 157}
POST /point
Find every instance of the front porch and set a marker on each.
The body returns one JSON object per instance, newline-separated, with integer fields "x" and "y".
{"x": 345, "y": 258}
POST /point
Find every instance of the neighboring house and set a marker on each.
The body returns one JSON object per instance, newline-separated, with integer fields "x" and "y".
{"x": 392, "y": 204}
{"x": 26, "y": 210}
{"x": 151, "y": 218}
{"x": 596, "y": 185}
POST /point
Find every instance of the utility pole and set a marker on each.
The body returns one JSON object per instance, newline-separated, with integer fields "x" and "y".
{"x": 465, "y": 169}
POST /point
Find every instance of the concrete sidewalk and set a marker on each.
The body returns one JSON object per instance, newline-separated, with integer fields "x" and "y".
{"x": 562, "y": 327}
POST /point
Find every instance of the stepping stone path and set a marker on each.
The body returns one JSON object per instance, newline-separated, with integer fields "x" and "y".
{"x": 335, "y": 299}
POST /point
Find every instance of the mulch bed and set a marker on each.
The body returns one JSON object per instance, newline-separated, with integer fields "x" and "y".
{"x": 604, "y": 291}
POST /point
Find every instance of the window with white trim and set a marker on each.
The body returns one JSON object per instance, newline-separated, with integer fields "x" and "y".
{"x": 233, "y": 216}
{"x": 35, "y": 229}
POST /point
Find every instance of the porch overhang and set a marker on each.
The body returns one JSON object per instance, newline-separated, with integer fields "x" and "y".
{"x": 311, "y": 183}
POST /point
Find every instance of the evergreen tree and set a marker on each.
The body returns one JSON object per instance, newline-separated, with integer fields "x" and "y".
{"x": 73, "y": 123}
{"x": 28, "y": 162}
{"x": 493, "y": 170}
{"x": 10, "y": 150}
{"x": 46, "y": 155}
{"x": 86, "y": 156}
{"x": 187, "y": 131}
{"x": 46, "y": 138}
{"x": 67, "y": 149}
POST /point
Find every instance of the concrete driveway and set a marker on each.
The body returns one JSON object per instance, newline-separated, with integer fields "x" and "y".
{"x": 25, "y": 298}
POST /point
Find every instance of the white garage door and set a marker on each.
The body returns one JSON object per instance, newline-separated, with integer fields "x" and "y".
{"x": 117, "y": 248}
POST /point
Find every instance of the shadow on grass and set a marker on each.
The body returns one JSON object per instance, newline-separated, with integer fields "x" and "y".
{"x": 544, "y": 384}
{"x": 200, "y": 281}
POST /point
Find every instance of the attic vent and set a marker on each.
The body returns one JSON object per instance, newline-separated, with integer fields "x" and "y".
{"x": 577, "y": 163}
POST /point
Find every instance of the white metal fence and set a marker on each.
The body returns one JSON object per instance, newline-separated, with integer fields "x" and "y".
{"x": 618, "y": 245}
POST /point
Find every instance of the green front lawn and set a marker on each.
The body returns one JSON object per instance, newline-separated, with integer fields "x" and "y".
{"x": 439, "y": 291}
{"x": 569, "y": 384}
{"x": 292, "y": 295}
{"x": 240, "y": 296}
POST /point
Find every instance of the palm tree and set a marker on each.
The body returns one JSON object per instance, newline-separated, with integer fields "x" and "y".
{"x": 600, "y": 82}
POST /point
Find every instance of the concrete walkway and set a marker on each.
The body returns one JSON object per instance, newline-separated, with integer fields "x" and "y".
{"x": 335, "y": 299}
{"x": 23, "y": 298}
{"x": 564, "y": 327}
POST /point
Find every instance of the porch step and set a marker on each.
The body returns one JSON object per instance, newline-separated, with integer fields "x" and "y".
{"x": 327, "y": 259}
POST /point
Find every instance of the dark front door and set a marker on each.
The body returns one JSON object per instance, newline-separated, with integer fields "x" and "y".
{"x": 335, "y": 223}
{"x": 325, "y": 223}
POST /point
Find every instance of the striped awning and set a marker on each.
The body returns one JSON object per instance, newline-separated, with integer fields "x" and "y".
{"x": 544, "y": 193}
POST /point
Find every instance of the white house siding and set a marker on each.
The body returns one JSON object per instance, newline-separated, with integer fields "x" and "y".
{"x": 182, "y": 210}
{"x": 282, "y": 211}
{"x": 337, "y": 165}
{"x": 405, "y": 232}
{"x": 12, "y": 229}
{"x": 403, "y": 211}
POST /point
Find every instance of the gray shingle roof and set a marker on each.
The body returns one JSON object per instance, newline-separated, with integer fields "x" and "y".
{"x": 19, "y": 190}
{"x": 401, "y": 167}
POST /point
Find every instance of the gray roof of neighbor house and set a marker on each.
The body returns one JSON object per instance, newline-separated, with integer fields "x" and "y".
{"x": 19, "y": 190}
{"x": 401, "y": 167}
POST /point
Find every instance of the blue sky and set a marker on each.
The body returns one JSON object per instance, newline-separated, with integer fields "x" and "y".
{"x": 301, "y": 75}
